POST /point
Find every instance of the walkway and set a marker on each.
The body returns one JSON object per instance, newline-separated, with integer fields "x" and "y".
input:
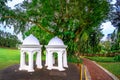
{"x": 96, "y": 73}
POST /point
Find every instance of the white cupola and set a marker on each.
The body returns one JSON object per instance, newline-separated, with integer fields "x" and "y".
{"x": 56, "y": 41}
{"x": 54, "y": 46}
{"x": 30, "y": 46}
{"x": 31, "y": 40}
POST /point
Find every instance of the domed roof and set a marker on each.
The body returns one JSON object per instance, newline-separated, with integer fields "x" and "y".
{"x": 56, "y": 41}
{"x": 31, "y": 40}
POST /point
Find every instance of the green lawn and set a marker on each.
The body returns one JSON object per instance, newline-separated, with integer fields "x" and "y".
{"x": 113, "y": 67}
{"x": 8, "y": 57}
{"x": 108, "y": 63}
{"x": 102, "y": 59}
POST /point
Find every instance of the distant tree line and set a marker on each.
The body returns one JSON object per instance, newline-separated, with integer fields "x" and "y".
{"x": 8, "y": 40}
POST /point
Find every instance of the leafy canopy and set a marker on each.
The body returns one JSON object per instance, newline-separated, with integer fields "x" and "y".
{"x": 67, "y": 19}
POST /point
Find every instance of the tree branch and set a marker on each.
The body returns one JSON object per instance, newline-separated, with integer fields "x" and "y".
{"x": 21, "y": 18}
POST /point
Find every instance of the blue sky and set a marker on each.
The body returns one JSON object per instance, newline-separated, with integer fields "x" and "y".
{"x": 107, "y": 27}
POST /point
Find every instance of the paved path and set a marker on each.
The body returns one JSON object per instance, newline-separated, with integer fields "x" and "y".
{"x": 96, "y": 73}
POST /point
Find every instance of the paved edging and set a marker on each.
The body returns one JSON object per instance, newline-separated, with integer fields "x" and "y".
{"x": 109, "y": 73}
{"x": 87, "y": 74}
{"x": 82, "y": 77}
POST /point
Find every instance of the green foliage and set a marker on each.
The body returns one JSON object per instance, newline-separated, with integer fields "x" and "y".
{"x": 74, "y": 59}
{"x": 115, "y": 20}
{"x": 115, "y": 37}
{"x": 90, "y": 41}
{"x": 67, "y": 19}
{"x": 117, "y": 58}
{"x": 8, "y": 40}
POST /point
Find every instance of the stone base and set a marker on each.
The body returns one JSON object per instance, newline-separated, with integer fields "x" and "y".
{"x": 57, "y": 73}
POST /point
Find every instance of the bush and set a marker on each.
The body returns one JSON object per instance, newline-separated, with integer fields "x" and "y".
{"x": 117, "y": 58}
{"x": 74, "y": 59}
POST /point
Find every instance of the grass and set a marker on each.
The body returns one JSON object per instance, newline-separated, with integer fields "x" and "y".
{"x": 102, "y": 59}
{"x": 8, "y": 57}
{"x": 108, "y": 63}
{"x": 113, "y": 67}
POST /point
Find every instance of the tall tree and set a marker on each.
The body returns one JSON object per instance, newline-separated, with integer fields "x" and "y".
{"x": 116, "y": 22}
{"x": 67, "y": 19}
{"x": 90, "y": 39}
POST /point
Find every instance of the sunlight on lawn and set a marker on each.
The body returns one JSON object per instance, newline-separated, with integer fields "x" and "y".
{"x": 8, "y": 57}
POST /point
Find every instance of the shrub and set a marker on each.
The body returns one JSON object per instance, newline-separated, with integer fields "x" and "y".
{"x": 74, "y": 59}
{"x": 117, "y": 58}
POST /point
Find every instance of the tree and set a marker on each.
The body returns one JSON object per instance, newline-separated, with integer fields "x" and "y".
{"x": 90, "y": 41}
{"x": 8, "y": 40}
{"x": 116, "y": 22}
{"x": 67, "y": 19}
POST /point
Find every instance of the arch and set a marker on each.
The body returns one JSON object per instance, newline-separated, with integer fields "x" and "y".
{"x": 55, "y": 58}
{"x": 61, "y": 59}
{"x": 30, "y": 61}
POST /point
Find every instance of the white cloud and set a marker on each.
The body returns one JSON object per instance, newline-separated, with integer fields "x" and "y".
{"x": 13, "y": 3}
{"x": 107, "y": 29}
{"x": 113, "y": 2}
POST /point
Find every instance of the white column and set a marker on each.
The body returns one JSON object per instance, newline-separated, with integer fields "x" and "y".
{"x": 60, "y": 61}
{"x": 38, "y": 60}
{"x": 50, "y": 63}
{"x": 65, "y": 59}
{"x": 30, "y": 65}
{"x": 22, "y": 61}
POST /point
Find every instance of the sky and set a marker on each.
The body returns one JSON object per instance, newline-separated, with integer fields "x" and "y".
{"x": 107, "y": 27}
{"x": 14, "y": 2}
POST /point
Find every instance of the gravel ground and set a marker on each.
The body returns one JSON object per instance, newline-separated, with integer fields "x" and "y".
{"x": 12, "y": 73}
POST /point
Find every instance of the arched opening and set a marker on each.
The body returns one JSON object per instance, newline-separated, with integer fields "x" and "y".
{"x": 26, "y": 54}
{"x": 55, "y": 59}
{"x": 35, "y": 59}
{"x": 26, "y": 58}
